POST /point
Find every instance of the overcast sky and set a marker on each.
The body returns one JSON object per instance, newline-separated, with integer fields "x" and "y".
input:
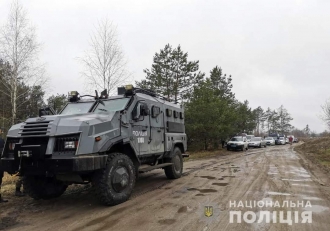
{"x": 277, "y": 52}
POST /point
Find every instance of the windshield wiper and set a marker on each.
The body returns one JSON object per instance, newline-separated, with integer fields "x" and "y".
{"x": 102, "y": 109}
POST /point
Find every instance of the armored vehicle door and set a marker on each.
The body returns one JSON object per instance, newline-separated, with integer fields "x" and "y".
{"x": 140, "y": 128}
{"x": 157, "y": 129}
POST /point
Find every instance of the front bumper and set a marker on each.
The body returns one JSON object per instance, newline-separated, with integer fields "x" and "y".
{"x": 254, "y": 145}
{"x": 234, "y": 146}
{"x": 53, "y": 165}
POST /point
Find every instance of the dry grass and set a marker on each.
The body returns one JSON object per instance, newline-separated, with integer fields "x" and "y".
{"x": 317, "y": 150}
{"x": 8, "y": 183}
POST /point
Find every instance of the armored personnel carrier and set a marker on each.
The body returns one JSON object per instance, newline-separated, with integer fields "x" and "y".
{"x": 103, "y": 140}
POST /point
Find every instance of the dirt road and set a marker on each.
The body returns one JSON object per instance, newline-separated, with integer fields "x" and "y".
{"x": 271, "y": 175}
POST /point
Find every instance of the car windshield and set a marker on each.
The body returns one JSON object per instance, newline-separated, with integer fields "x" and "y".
{"x": 248, "y": 137}
{"x": 281, "y": 138}
{"x": 112, "y": 105}
{"x": 269, "y": 138}
{"x": 256, "y": 139}
{"x": 77, "y": 108}
{"x": 236, "y": 139}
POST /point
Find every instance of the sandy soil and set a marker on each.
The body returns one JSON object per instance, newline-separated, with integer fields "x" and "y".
{"x": 273, "y": 174}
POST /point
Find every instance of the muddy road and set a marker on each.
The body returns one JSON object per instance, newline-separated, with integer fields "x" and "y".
{"x": 272, "y": 175}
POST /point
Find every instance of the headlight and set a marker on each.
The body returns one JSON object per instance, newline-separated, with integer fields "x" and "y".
{"x": 11, "y": 146}
{"x": 66, "y": 143}
{"x": 70, "y": 144}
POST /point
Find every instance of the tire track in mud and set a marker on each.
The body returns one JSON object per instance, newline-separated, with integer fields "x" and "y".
{"x": 218, "y": 160}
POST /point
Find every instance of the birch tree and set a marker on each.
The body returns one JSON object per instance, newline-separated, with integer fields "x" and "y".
{"x": 19, "y": 47}
{"x": 104, "y": 61}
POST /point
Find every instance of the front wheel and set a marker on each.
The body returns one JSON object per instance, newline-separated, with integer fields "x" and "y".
{"x": 114, "y": 184}
{"x": 40, "y": 187}
{"x": 174, "y": 171}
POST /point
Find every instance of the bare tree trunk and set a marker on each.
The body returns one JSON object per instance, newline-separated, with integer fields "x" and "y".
{"x": 104, "y": 62}
{"x": 20, "y": 49}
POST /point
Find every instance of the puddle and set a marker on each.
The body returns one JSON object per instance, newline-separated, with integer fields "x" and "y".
{"x": 278, "y": 194}
{"x": 297, "y": 180}
{"x": 183, "y": 209}
{"x": 220, "y": 184}
{"x": 304, "y": 185}
{"x": 192, "y": 189}
{"x": 228, "y": 176}
{"x": 232, "y": 166}
{"x": 202, "y": 190}
{"x": 312, "y": 198}
{"x": 208, "y": 177}
{"x": 220, "y": 178}
{"x": 236, "y": 170}
{"x": 208, "y": 190}
{"x": 199, "y": 195}
{"x": 316, "y": 208}
{"x": 166, "y": 221}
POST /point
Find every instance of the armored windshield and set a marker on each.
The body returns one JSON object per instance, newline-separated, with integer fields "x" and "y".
{"x": 77, "y": 108}
{"x": 112, "y": 105}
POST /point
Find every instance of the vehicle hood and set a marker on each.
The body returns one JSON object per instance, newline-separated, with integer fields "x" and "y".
{"x": 235, "y": 142}
{"x": 64, "y": 124}
{"x": 254, "y": 142}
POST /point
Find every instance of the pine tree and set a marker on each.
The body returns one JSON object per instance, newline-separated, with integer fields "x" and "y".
{"x": 171, "y": 74}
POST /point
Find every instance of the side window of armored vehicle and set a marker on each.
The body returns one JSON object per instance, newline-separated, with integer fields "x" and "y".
{"x": 140, "y": 111}
{"x": 181, "y": 116}
{"x": 169, "y": 112}
{"x": 155, "y": 111}
{"x": 175, "y": 114}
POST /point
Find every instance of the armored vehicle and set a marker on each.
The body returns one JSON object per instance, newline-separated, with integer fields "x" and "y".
{"x": 103, "y": 140}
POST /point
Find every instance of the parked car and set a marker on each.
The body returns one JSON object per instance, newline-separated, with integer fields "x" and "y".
{"x": 295, "y": 140}
{"x": 281, "y": 140}
{"x": 249, "y": 137}
{"x": 237, "y": 142}
{"x": 287, "y": 140}
{"x": 270, "y": 141}
{"x": 257, "y": 142}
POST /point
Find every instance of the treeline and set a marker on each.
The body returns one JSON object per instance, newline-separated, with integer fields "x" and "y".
{"x": 212, "y": 112}
{"x": 28, "y": 100}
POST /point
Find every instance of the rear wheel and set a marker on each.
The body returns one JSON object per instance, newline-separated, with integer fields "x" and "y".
{"x": 174, "y": 171}
{"x": 114, "y": 184}
{"x": 40, "y": 187}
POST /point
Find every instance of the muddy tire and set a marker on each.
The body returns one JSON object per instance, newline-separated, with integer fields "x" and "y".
{"x": 174, "y": 171}
{"x": 114, "y": 184}
{"x": 40, "y": 187}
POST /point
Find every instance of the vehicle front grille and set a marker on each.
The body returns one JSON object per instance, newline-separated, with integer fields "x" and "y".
{"x": 35, "y": 128}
